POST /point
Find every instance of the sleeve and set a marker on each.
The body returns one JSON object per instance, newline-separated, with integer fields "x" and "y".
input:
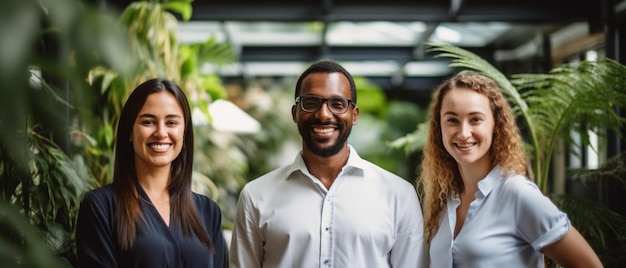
{"x": 94, "y": 233}
{"x": 217, "y": 236}
{"x": 408, "y": 250}
{"x": 246, "y": 248}
{"x": 539, "y": 221}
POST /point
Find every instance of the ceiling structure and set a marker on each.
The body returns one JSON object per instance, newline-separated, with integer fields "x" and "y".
{"x": 382, "y": 40}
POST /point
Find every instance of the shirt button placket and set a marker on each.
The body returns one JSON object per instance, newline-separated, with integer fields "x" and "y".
{"x": 326, "y": 235}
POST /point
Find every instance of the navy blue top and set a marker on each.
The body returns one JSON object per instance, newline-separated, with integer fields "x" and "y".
{"x": 156, "y": 244}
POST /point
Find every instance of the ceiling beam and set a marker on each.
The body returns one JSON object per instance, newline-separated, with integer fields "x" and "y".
{"x": 545, "y": 11}
{"x": 203, "y": 10}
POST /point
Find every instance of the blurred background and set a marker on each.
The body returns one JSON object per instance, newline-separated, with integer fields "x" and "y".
{"x": 67, "y": 66}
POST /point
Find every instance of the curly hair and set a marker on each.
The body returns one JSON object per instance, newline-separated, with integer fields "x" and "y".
{"x": 439, "y": 174}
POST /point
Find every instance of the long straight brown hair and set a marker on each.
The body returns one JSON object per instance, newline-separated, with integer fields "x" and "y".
{"x": 128, "y": 210}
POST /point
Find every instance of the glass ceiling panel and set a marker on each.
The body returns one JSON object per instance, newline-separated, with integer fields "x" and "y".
{"x": 357, "y": 68}
{"x": 469, "y": 34}
{"x": 275, "y": 33}
{"x": 378, "y": 33}
{"x": 200, "y": 31}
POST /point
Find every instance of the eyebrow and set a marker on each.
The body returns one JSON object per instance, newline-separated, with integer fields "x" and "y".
{"x": 154, "y": 116}
{"x": 471, "y": 113}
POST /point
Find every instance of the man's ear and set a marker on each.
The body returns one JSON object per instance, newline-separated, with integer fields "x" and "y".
{"x": 355, "y": 115}
{"x": 294, "y": 110}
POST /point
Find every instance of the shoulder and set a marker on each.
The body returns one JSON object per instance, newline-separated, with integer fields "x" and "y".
{"x": 268, "y": 181}
{"x": 373, "y": 171}
{"x": 204, "y": 203}
{"x": 102, "y": 195}
{"x": 526, "y": 195}
{"x": 519, "y": 186}
{"x": 99, "y": 202}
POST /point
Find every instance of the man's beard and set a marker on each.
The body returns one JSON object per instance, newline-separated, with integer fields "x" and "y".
{"x": 327, "y": 151}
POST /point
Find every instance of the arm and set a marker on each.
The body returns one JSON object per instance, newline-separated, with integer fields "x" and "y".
{"x": 549, "y": 229}
{"x": 572, "y": 251}
{"x": 94, "y": 235}
{"x": 246, "y": 248}
{"x": 408, "y": 250}
{"x": 217, "y": 237}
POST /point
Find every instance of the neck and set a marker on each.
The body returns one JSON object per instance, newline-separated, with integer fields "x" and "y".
{"x": 326, "y": 169}
{"x": 153, "y": 180}
{"x": 471, "y": 174}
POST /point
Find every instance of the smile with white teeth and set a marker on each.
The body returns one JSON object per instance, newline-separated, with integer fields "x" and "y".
{"x": 160, "y": 146}
{"x": 323, "y": 130}
{"x": 464, "y": 145}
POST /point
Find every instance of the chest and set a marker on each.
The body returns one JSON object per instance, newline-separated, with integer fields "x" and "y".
{"x": 158, "y": 244}
{"x": 347, "y": 212}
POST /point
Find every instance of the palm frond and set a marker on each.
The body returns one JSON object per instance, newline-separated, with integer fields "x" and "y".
{"x": 598, "y": 224}
{"x": 466, "y": 59}
{"x": 573, "y": 97}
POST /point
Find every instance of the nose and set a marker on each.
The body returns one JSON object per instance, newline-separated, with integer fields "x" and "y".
{"x": 323, "y": 112}
{"x": 160, "y": 131}
{"x": 465, "y": 131}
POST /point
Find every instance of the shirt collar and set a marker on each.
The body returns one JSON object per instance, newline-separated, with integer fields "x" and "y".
{"x": 490, "y": 181}
{"x": 354, "y": 162}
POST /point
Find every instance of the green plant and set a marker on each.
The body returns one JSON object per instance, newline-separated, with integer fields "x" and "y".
{"x": 20, "y": 242}
{"x": 66, "y": 68}
{"x": 45, "y": 51}
{"x": 153, "y": 32}
{"x": 605, "y": 226}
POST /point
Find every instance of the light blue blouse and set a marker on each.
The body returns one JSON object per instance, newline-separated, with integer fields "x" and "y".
{"x": 368, "y": 218}
{"x": 506, "y": 225}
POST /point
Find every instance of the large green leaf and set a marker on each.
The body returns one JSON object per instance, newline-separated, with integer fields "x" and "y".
{"x": 20, "y": 244}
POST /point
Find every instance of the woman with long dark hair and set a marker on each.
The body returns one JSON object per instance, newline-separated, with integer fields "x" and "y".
{"x": 148, "y": 216}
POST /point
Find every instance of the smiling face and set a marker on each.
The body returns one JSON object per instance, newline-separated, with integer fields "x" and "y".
{"x": 324, "y": 133}
{"x": 467, "y": 125}
{"x": 158, "y": 131}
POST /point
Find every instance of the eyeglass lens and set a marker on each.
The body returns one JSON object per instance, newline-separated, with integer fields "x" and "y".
{"x": 336, "y": 105}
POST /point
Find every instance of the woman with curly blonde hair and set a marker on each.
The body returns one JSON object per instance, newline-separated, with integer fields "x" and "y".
{"x": 480, "y": 208}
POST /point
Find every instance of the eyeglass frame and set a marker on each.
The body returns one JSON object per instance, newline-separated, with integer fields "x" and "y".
{"x": 325, "y": 100}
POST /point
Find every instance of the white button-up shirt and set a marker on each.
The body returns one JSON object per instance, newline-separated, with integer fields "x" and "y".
{"x": 368, "y": 218}
{"x": 506, "y": 225}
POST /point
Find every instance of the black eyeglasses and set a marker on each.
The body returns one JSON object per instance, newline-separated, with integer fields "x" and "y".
{"x": 312, "y": 103}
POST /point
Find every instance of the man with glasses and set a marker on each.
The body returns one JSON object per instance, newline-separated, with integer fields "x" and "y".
{"x": 329, "y": 208}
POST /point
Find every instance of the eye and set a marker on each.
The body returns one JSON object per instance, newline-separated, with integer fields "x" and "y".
{"x": 148, "y": 122}
{"x": 310, "y": 103}
{"x": 476, "y": 120}
{"x": 338, "y": 104}
{"x": 451, "y": 120}
{"x": 172, "y": 123}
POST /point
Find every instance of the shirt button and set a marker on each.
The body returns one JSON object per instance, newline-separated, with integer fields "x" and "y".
{"x": 327, "y": 228}
{"x": 326, "y": 261}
